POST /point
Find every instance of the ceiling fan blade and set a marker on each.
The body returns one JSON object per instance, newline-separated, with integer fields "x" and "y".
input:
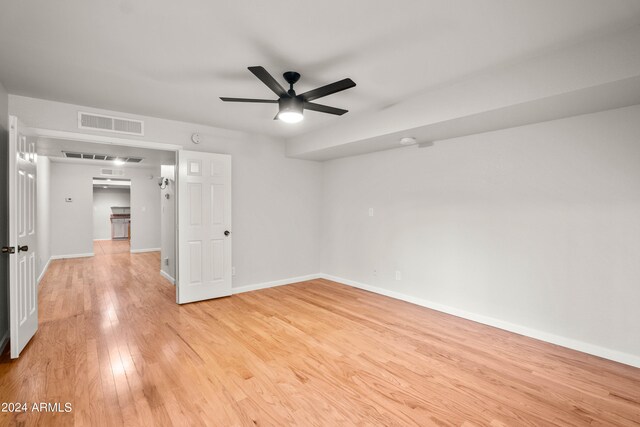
{"x": 324, "y": 108}
{"x": 268, "y": 79}
{"x": 262, "y": 101}
{"x": 328, "y": 89}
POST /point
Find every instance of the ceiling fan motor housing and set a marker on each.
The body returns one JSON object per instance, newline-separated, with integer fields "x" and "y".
{"x": 290, "y": 105}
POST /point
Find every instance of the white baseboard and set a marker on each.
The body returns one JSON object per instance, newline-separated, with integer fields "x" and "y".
{"x": 88, "y": 254}
{"x": 3, "y": 341}
{"x": 272, "y": 284}
{"x": 44, "y": 270}
{"x": 606, "y": 353}
{"x": 141, "y": 251}
{"x": 101, "y": 240}
{"x": 168, "y": 277}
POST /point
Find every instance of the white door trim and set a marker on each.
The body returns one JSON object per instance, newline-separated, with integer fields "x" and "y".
{"x": 126, "y": 142}
{"x": 102, "y": 139}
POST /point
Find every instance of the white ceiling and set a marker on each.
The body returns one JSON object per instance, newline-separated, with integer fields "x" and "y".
{"x": 174, "y": 59}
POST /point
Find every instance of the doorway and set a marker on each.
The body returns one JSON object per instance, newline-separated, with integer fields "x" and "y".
{"x": 111, "y": 215}
{"x": 105, "y": 199}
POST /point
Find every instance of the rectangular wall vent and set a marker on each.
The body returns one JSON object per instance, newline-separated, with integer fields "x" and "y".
{"x": 111, "y": 172}
{"x": 110, "y": 124}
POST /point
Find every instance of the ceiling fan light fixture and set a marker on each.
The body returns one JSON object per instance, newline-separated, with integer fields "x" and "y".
{"x": 290, "y": 110}
{"x": 290, "y": 117}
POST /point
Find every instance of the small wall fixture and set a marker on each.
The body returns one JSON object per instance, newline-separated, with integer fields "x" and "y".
{"x": 407, "y": 140}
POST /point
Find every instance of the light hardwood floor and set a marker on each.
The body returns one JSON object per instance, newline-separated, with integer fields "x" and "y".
{"x": 104, "y": 247}
{"x": 114, "y": 344}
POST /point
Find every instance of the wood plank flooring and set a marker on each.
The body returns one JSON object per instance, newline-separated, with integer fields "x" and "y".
{"x": 103, "y": 247}
{"x": 113, "y": 343}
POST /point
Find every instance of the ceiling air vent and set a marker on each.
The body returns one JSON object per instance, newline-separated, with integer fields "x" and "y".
{"x": 110, "y": 124}
{"x": 106, "y": 157}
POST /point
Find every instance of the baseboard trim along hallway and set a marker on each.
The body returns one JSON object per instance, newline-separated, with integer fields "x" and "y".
{"x": 168, "y": 277}
{"x": 85, "y": 255}
{"x": 44, "y": 270}
{"x": 141, "y": 251}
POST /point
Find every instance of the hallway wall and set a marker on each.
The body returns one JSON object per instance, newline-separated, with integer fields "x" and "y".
{"x": 43, "y": 213}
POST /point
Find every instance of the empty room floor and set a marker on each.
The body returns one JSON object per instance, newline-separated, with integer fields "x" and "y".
{"x": 114, "y": 344}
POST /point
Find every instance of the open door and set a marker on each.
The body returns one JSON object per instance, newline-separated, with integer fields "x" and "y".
{"x": 23, "y": 288}
{"x": 204, "y": 226}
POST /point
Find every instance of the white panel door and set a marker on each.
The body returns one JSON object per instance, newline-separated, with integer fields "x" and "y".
{"x": 204, "y": 226}
{"x": 23, "y": 289}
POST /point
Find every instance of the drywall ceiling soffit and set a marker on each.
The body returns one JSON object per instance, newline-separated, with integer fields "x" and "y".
{"x": 54, "y": 149}
{"x": 594, "y": 76}
{"x": 174, "y": 59}
{"x": 600, "y": 98}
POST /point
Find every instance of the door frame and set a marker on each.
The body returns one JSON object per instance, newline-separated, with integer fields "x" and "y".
{"x": 126, "y": 142}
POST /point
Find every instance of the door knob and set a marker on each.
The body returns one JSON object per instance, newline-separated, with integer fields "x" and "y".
{"x": 227, "y": 232}
{"x": 8, "y": 250}
{"x": 24, "y": 248}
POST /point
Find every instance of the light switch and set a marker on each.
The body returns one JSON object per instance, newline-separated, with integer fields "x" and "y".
{"x": 68, "y": 199}
{"x": 370, "y": 211}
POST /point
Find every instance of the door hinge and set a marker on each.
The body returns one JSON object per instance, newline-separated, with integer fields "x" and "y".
{"x": 8, "y": 250}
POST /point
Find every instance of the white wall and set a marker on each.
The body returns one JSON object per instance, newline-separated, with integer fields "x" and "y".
{"x": 538, "y": 226}
{"x": 103, "y": 200}
{"x": 72, "y": 223}
{"x": 43, "y": 213}
{"x": 4, "y": 215}
{"x": 145, "y": 210}
{"x": 276, "y": 200}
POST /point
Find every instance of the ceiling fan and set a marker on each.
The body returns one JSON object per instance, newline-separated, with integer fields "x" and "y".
{"x": 291, "y": 105}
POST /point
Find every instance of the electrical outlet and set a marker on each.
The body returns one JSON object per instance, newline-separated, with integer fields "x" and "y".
{"x": 375, "y": 273}
{"x": 166, "y": 261}
{"x": 233, "y": 271}
{"x": 398, "y": 275}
